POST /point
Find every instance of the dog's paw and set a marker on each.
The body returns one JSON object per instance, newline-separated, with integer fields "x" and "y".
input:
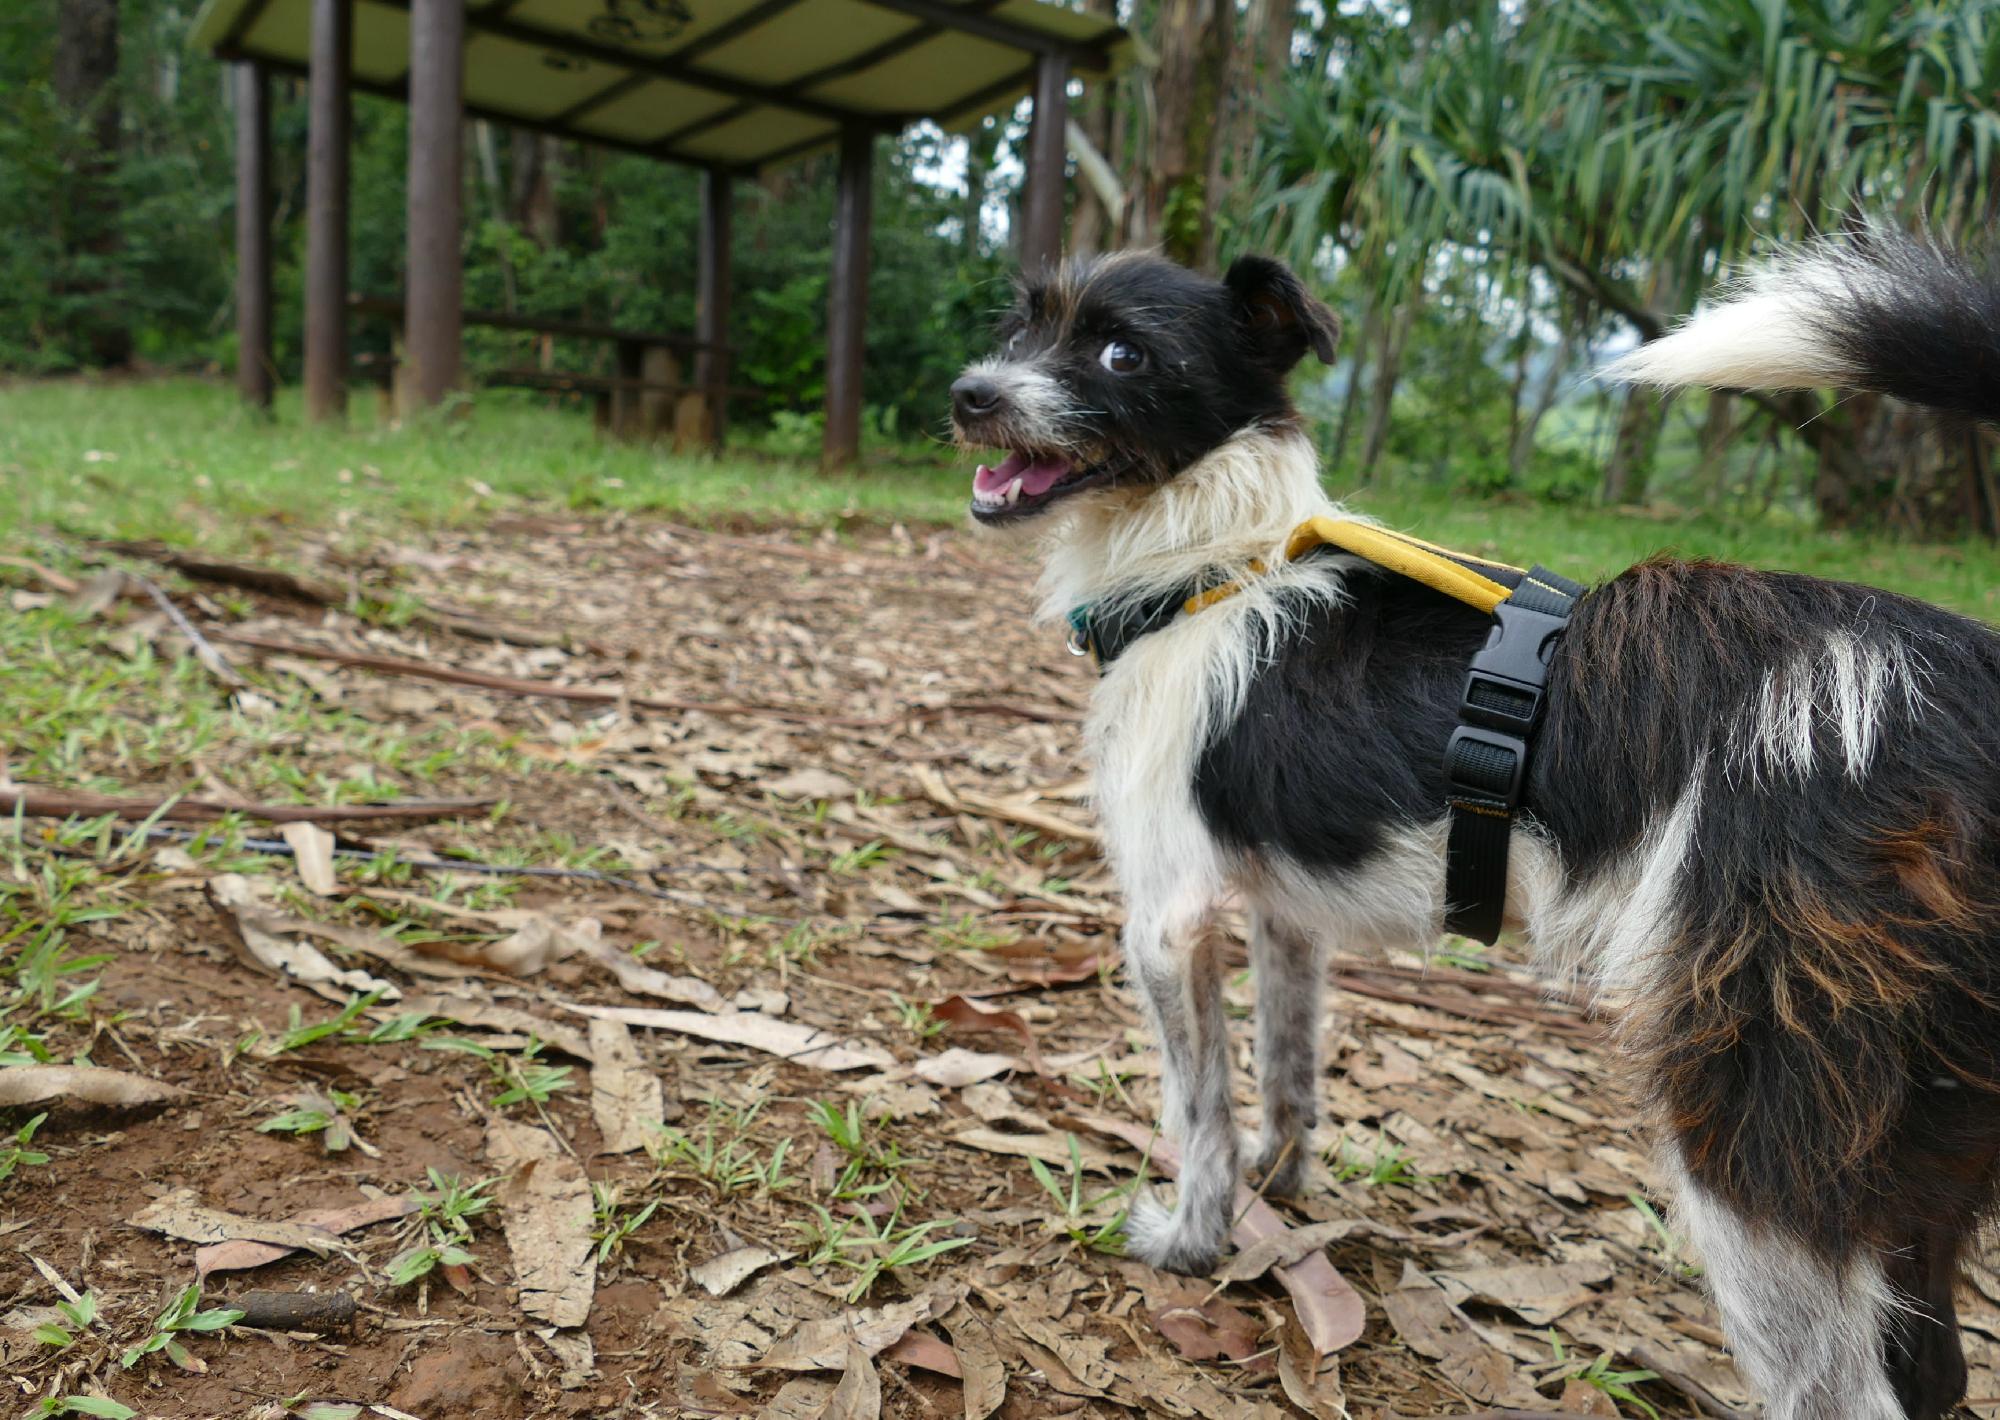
{"x": 1160, "y": 1237}
{"x": 1279, "y": 1170}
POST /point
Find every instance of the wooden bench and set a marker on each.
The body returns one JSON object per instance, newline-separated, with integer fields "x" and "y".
{"x": 647, "y": 398}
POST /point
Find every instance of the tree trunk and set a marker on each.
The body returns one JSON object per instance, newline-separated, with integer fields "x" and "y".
{"x": 981, "y": 146}
{"x": 534, "y": 167}
{"x": 1718, "y": 429}
{"x": 1250, "y": 65}
{"x": 1522, "y": 445}
{"x": 1350, "y": 403}
{"x": 1382, "y": 391}
{"x": 1631, "y": 463}
{"x": 86, "y": 84}
{"x": 1090, "y": 226}
{"x": 1192, "y": 38}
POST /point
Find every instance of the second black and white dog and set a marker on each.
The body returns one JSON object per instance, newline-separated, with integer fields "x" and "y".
{"x": 1763, "y": 808}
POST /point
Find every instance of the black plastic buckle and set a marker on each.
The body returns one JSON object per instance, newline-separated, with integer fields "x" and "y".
{"x": 1503, "y": 687}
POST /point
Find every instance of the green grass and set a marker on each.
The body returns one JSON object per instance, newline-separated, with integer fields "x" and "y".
{"x": 182, "y": 459}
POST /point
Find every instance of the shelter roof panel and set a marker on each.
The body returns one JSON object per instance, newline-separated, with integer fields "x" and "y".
{"x": 753, "y": 136}
{"x": 381, "y": 42}
{"x": 927, "y": 79}
{"x": 807, "y": 38}
{"x": 535, "y": 83}
{"x": 740, "y": 82}
{"x": 650, "y": 112}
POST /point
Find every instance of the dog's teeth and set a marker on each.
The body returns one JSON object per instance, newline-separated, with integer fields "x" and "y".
{"x": 1013, "y": 492}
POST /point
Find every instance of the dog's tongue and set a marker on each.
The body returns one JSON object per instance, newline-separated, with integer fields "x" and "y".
{"x": 1037, "y": 476}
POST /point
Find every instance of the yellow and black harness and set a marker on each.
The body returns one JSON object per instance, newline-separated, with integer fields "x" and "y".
{"x": 1486, "y": 759}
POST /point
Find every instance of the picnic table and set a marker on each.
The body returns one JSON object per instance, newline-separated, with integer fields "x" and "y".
{"x": 649, "y": 396}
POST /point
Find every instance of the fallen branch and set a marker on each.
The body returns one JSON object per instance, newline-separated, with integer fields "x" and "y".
{"x": 273, "y": 582}
{"x": 607, "y": 695}
{"x": 318, "y": 1312}
{"x": 1488, "y": 1012}
{"x": 204, "y": 649}
{"x": 71, "y": 803}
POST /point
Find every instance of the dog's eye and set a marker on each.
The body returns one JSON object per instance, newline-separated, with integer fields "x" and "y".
{"x": 1121, "y": 357}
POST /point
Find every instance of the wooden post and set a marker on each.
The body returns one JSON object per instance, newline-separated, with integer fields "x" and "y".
{"x": 255, "y": 374}
{"x": 711, "y": 307}
{"x": 328, "y": 117}
{"x": 434, "y": 296}
{"x": 1048, "y": 149}
{"x": 847, "y": 300}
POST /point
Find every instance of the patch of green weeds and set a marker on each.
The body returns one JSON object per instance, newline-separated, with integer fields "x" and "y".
{"x": 520, "y": 1077}
{"x": 1599, "y": 1375}
{"x": 180, "y": 1318}
{"x": 720, "y": 1153}
{"x": 444, "y": 1227}
{"x": 14, "y": 1150}
{"x": 1081, "y": 1216}
{"x": 610, "y": 1228}
{"x": 1385, "y": 1166}
{"x": 857, "y": 1243}
{"x": 81, "y": 1315}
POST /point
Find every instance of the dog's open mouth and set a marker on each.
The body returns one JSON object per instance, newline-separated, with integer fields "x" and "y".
{"x": 1024, "y": 483}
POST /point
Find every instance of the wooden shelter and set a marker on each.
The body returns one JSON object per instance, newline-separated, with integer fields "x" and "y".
{"x": 728, "y": 86}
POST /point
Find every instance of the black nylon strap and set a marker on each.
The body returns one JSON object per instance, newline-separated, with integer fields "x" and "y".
{"x": 1486, "y": 760}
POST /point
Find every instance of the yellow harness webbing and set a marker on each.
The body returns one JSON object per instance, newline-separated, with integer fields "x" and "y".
{"x": 1456, "y": 574}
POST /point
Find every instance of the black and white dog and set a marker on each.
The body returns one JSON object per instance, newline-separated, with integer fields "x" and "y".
{"x": 1763, "y": 808}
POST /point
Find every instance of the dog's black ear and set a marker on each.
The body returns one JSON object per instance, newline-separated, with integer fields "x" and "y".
{"x": 1284, "y": 319}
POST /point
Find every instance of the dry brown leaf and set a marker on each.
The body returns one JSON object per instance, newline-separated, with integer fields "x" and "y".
{"x": 803, "y": 1399}
{"x": 859, "y": 1394}
{"x": 635, "y": 976}
{"x": 625, "y": 1097}
{"x": 261, "y": 942}
{"x": 1310, "y": 1381}
{"x": 979, "y": 1357}
{"x": 240, "y": 1255}
{"x": 968, "y": 1014}
{"x": 810, "y": 783}
{"x": 1202, "y": 1326}
{"x": 1540, "y": 1294}
{"x": 920, "y": 1349}
{"x": 793, "y": 1040}
{"x": 821, "y": 1344}
{"x": 1286, "y": 1248}
{"x": 468, "y": 1011}
{"x": 546, "y": 1214}
{"x": 1429, "y": 1325}
{"x": 958, "y": 1067}
{"x": 1329, "y": 1309}
{"x": 723, "y": 1274}
{"x": 181, "y": 1214}
{"x": 312, "y": 851}
{"x": 22, "y": 1085}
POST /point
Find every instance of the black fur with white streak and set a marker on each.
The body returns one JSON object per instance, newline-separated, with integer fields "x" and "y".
{"x": 1764, "y": 809}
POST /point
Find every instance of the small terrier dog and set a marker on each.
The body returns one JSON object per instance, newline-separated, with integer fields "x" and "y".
{"x": 1762, "y": 808}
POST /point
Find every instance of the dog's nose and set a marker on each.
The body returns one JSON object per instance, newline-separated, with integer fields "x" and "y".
{"x": 973, "y": 396}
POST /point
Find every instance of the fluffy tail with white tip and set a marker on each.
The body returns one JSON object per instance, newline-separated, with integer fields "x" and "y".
{"x": 1883, "y": 311}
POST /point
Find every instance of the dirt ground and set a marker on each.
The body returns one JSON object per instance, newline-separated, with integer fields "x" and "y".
{"x": 862, "y": 877}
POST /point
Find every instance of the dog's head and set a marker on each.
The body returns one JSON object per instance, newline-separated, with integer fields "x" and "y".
{"x": 1126, "y": 370}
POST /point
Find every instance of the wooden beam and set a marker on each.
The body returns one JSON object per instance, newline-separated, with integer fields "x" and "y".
{"x": 617, "y": 89}
{"x": 433, "y": 274}
{"x": 973, "y": 103}
{"x": 634, "y": 61}
{"x": 847, "y": 299}
{"x": 1048, "y": 150}
{"x": 1092, "y": 55}
{"x": 749, "y": 20}
{"x": 329, "y": 119}
{"x": 711, "y": 308}
{"x": 399, "y": 90}
{"x": 255, "y": 371}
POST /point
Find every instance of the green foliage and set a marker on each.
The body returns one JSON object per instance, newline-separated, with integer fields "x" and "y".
{"x": 444, "y": 1227}
{"x": 81, "y": 1315}
{"x": 150, "y": 245}
{"x": 181, "y": 1317}
{"x": 14, "y": 1150}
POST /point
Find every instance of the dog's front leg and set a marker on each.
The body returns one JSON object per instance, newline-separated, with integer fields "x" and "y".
{"x": 1178, "y": 971}
{"x": 1289, "y": 967}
